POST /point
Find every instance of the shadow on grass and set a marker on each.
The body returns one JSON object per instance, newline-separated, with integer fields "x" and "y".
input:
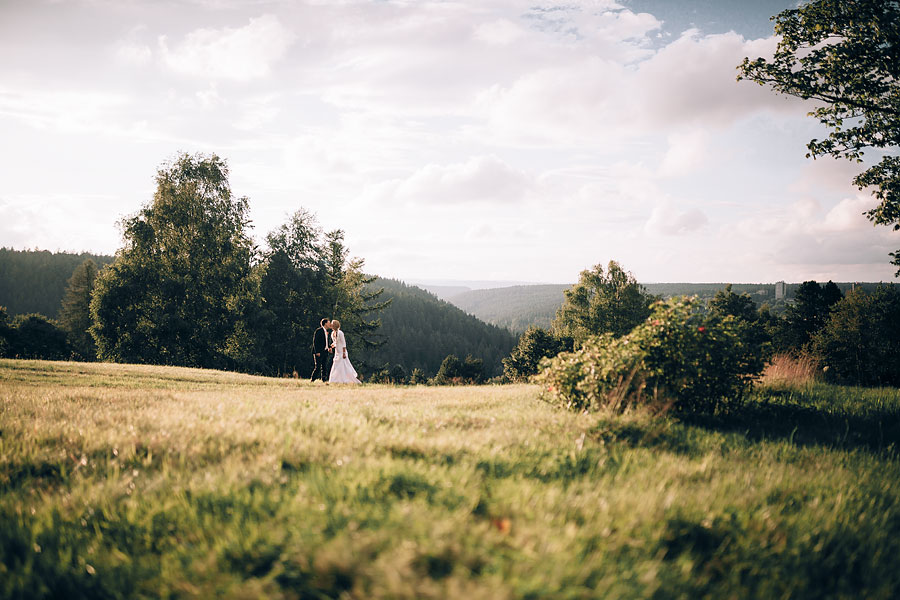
{"x": 827, "y": 417}
{"x": 811, "y": 418}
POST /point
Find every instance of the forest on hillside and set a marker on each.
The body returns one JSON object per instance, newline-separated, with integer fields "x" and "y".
{"x": 515, "y": 308}
{"x": 420, "y": 331}
{"x": 417, "y": 329}
{"x": 34, "y": 281}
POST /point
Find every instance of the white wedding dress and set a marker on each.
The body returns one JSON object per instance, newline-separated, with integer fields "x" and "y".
{"x": 341, "y": 369}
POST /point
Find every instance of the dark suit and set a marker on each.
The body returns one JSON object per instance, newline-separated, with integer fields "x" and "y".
{"x": 321, "y": 355}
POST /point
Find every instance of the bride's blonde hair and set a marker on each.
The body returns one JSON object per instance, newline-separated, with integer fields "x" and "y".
{"x": 335, "y": 324}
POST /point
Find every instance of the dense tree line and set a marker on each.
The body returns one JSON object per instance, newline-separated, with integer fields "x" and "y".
{"x": 34, "y": 281}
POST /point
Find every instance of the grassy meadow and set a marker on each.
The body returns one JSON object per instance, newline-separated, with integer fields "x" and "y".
{"x": 133, "y": 481}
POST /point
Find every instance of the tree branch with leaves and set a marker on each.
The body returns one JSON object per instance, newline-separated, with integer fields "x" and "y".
{"x": 845, "y": 54}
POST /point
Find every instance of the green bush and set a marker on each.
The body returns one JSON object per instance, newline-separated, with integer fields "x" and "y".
{"x": 456, "y": 372}
{"x": 860, "y": 341}
{"x": 679, "y": 358}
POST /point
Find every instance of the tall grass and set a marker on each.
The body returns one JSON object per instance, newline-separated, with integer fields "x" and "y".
{"x": 128, "y": 481}
{"x": 792, "y": 370}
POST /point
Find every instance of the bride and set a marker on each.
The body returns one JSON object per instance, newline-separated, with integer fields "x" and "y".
{"x": 341, "y": 369}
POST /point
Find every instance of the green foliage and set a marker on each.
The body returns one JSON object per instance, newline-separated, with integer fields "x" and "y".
{"x": 35, "y": 281}
{"x": 694, "y": 362}
{"x": 417, "y": 377}
{"x": 353, "y": 298}
{"x": 420, "y": 331}
{"x": 456, "y": 372}
{"x": 534, "y": 345}
{"x": 181, "y": 288}
{"x": 6, "y": 334}
{"x": 395, "y": 375}
{"x": 860, "y": 341}
{"x": 753, "y": 324}
{"x": 844, "y": 55}
{"x": 307, "y": 275}
{"x": 36, "y": 336}
{"x": 611, "y": 302}
{"x": 75, "y": 313}
{"x": 806, "y": 315}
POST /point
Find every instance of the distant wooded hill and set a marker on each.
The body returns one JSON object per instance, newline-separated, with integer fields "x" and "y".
{"x": 514, "y": 307}
{"x": 34, "y": 281}
{"x": 518, "y": 307}
{"x": 419, "y": 329}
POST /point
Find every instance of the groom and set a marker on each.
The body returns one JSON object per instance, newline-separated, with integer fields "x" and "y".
{"x": 322, "y": 351}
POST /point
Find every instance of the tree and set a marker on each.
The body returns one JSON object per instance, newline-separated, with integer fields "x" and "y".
{"x": 7, "y": 334}
{"x": 450, "y": 371}
{"x": 807, "y": 315}
{"x": 38, "y": 337}
{"x": 352, "y": 298}
{"x": 180, "y": 290}
{"x": 75, "y": 312}
{"x": 454, "y": 371}
{"x": 307, "y": 275}
{"x": 295, "y": 294}
{"x": 860, "y": 342}
{"x": 749, "y": 323}
{"x": 741, "y": 306}
{"x": 536, "y": 343}
{"x": 844, "y": 54}
{"x": 601, "y": 302}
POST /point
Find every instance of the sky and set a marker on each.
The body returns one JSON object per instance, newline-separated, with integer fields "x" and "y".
{"x": 451, "y": 140}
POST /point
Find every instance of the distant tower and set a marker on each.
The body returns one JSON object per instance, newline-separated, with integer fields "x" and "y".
{"x": 779, "y": 290}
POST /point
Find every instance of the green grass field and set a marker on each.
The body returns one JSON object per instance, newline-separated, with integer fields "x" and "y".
{"x": 130, "y": 481}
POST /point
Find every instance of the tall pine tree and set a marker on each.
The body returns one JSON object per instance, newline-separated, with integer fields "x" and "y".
{"x": 75, "y": 312}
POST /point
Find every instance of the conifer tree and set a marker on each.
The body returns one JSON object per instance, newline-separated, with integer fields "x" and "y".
{"x": 75, "y": 312}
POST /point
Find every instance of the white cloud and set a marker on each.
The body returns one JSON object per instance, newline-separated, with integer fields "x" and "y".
{"x": 590, "y": 99}
{"x": 668, "y": 219}
{"x": 687, "y": 153}
{"x": 72, "y": 222}
{"x": 67, "y": 111}
{"x": 849, "y": 215}
{"x": 481, "y": 179}
{"x": 500, "y": 32}
{"x": 240, "y": 54}
{"x": 131, "y": 53}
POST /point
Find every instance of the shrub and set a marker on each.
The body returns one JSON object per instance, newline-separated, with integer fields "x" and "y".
{"x": 395, "y": 374}
{"x": 679, "y": 357}
{"x": 454, "y": 371}
{"x": 38, "y": 337}
{"x": 417, "y": 376}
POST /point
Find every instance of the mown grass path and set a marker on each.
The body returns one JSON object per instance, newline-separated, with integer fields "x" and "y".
{"x": 132, "y": 481}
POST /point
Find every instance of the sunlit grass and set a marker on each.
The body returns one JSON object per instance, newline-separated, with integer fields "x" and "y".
{"x": 124, "y": 481}
{"x": 792, "y": 370}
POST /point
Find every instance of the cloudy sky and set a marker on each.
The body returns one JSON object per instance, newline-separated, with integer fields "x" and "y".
{"x": 471, "y": 139}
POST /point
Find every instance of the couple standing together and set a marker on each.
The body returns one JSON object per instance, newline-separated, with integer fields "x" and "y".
{"x": 328, "y": 340}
